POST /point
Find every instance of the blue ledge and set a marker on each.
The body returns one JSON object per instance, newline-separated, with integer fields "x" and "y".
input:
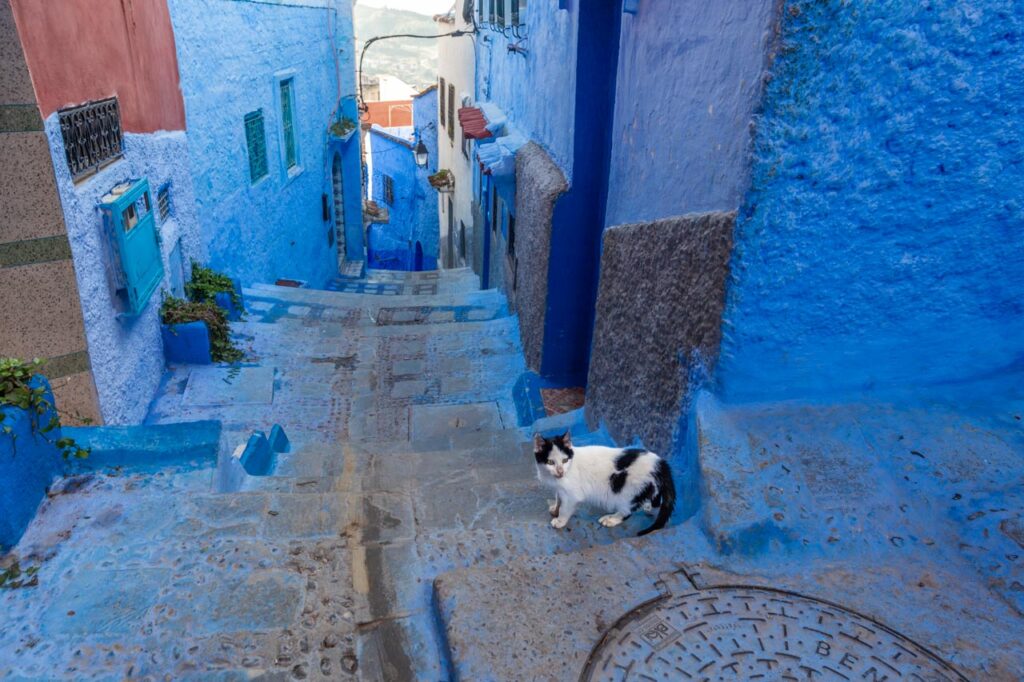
{"x": 258, "y": 457}
{"x": 278, "y": 439}
{"x": 527, "y": 399}
{"x": 147, "y": 447}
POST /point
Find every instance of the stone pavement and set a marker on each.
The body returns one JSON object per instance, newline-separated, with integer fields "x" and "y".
{"x": 405, "y": 462}
{"x": 403, "y": 535}
{"x": 843, "y": 542}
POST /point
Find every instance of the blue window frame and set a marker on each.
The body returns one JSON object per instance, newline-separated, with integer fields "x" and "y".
{"x": 256, "y": 143}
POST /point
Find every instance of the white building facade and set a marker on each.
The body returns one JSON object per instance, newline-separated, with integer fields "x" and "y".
{"x": 456, "y": 84}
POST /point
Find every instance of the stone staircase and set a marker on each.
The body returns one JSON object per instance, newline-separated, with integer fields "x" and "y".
{"x": 403, "y": 535}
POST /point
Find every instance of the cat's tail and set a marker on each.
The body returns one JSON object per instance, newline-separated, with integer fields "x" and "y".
{"x": 667, "y": 491}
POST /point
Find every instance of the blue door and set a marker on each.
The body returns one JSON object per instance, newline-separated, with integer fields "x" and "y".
{"x": 418, "y": 264}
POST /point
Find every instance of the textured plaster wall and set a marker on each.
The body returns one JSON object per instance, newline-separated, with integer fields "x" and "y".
{"x": 689, "y": 80}
{"x": 658, "y": 327}
{"x": 126, "y": 355}
{"x": 229, "y": 53}
{"x": 881, "y": 245}
{"x": 535, "y": 90}
{"x": 456, "y": 63}
{"x": 539, "y": 183}
{"x": 81, "y": 50}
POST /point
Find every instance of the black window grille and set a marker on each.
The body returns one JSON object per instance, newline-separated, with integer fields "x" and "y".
{"x": 514, "y": 14}
{"x": 511, "y": 234}
{"x": 163, "y": 202}
{"x": 389, "y": 190}
{"x": 451, "y": 113}
{"x": 441, "y": 95}
{"x": 501, "y": 13}
{"x": 92, "y": 136}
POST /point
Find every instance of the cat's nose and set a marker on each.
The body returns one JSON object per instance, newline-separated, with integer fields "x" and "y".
{"x": 559, "y": 471}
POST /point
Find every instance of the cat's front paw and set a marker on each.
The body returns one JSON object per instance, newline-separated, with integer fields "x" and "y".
{"x": 553, "y": 508}
{"x": 610, "y": 520}
{"x": 559, "y": 523}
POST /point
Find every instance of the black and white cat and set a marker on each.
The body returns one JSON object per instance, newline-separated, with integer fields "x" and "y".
{"x": 618, "y": 480}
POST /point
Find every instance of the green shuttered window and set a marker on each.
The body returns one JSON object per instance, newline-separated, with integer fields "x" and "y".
{"x": 256, "y": 143}
{"x": 288, "y": 123}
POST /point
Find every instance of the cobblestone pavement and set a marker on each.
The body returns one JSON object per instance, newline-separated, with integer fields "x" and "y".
{"x": 405, "y": 462}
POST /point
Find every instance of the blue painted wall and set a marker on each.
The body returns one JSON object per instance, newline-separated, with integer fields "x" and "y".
{"x": 689, "y": 82}
{"x": 229, "y": 53}
{"x": 534, "y": 90}
{"x": 126, "y": 355}
{"x": 412, "y": 215}
{"x": 882, "y": 243}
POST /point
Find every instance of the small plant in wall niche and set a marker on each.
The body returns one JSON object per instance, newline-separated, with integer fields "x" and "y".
{"x": 442, "y": 180}
{"x": 17, "y": 391}
{"x": 206, "y": 283}
{"x": 343, "y": 127}
{"x": 179, "y": 311}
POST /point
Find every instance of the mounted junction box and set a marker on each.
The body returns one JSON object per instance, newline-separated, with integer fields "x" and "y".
{"x": 134, "y": 266}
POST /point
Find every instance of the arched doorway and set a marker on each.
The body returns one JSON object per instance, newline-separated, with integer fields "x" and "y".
{"x": 339, "y": 207}
{"x": 418, "y": 263}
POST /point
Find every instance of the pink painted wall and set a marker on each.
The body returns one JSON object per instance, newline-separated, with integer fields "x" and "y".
{"x": 82, "y": 50}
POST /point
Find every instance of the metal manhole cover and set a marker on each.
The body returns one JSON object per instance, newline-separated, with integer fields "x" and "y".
{"x": 745, "y": 633}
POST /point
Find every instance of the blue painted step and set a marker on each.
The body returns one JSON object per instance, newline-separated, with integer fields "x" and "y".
{"x": 146, "y": 447}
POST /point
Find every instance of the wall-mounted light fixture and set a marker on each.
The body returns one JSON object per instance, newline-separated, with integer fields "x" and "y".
{"x": 420, "y": 154}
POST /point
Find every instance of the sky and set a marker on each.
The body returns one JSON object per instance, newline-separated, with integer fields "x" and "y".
{"x": 429, "y": 7}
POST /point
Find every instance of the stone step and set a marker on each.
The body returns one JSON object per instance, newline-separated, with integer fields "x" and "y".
{"x": 489, "y": 299}
{"x": 389, "y": 283}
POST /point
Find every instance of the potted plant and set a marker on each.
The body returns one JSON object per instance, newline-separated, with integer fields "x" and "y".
{"x": 31, "y": 448}
{"x": 342, "y": 128}
{"x": 196, "y": 332}
{"x": 442, "y": 180}
{"x": 208, "y": 285}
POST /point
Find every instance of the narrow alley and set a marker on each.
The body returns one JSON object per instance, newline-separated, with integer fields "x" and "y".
{"x": 508, "y": 340}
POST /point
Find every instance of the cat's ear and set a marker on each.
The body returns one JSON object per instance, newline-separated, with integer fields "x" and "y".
{"x": 538, "y": 442}
{"x": 567, "y": 439}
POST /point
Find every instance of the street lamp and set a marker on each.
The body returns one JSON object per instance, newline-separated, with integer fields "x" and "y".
{"x": 420, "y": 153}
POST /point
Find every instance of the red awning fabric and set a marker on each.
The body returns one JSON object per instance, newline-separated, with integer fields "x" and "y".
{"x": 474, "y": 123}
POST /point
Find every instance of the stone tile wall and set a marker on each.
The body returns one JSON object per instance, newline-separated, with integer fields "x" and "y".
{"x": 40, "y": 313}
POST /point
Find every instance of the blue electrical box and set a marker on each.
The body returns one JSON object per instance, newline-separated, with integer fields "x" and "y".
{"x": 135, "y": 268}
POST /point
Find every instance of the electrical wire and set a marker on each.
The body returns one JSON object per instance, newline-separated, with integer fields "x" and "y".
{"x": 363, "y": 108}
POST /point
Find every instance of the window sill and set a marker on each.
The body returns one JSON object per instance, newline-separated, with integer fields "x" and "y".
{"x": 292, "y": 173}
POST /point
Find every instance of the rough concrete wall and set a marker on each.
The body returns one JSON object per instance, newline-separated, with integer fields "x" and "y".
{"x": 658, "y": 326}
{"x": 229, "y": 53}
{"x": 126, "y": 354}
{"x": 881, "y": 244}
{"x": 41, "y": 314}
{"x": 81, "y": 50}
{"x": 539, "y": 182}
{"x": 690, "y": 77}
{"x": 534, "y": 90}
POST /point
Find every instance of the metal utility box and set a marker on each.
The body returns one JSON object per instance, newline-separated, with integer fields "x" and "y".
{"x": 135, "y": 266}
